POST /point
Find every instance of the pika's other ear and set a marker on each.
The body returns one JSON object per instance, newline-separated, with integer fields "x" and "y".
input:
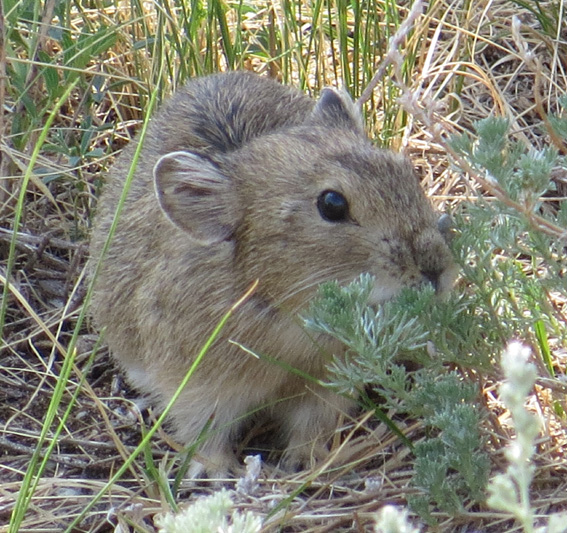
{"x": 335, "y": 109}
{"x": 196, "y": 196}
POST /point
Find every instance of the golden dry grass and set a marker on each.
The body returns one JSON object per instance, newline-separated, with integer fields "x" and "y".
{"x": 464, "y": 62}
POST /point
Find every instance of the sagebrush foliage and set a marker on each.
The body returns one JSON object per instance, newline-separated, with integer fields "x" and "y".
{"x": 512, "y": 253}
{"x": 383, "y": 347}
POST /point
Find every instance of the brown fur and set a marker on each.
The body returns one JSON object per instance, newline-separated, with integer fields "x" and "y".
{"x": 237, "y": 163}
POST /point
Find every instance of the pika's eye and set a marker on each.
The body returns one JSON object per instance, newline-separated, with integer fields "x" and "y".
{"x": 332, "y": 206}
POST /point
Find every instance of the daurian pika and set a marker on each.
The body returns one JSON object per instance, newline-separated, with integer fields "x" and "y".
{"x": 241, "y": 178}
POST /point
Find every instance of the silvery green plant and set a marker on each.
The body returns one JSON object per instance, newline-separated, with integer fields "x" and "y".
{"x": 450, "y": 465}
{"x": 510, "y": 492}
{"x": 210, "y": 514}
{"x": 391, "y": 519}
{"x": 511, "y": 246}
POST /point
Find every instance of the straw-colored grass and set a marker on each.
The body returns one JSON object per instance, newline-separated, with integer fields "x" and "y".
{"x": 460, "y": 60}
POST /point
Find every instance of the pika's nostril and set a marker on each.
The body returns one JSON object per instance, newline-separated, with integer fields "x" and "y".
{"x": 431, "y": 276}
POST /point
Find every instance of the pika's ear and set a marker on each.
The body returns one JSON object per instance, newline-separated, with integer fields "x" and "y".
{"x": 196, "y": 196}
{"x": 335, "y": 109}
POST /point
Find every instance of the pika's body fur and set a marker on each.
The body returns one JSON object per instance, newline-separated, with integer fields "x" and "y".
{"x": 228, "y": 190}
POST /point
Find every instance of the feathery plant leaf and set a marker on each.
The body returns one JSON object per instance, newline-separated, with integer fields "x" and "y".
{"x": 450, "y": 464}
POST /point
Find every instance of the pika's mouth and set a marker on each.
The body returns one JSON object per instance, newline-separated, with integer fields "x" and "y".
{"x": 381, "y": 293}
{"x": 442, "y": 283}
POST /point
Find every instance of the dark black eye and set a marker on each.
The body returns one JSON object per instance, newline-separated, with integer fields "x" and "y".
{"x": 332, "y": 206}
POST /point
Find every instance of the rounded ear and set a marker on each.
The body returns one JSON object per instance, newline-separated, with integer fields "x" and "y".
{"x": 335, "y": 109}
{"x": 196, "y": 196}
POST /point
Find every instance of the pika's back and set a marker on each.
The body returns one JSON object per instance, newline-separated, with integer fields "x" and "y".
{"x": 220, "y": 113}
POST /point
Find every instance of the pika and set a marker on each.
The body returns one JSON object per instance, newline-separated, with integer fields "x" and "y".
{"x": 240, "y": 179}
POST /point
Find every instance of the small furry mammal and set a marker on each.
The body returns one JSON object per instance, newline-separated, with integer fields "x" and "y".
{"x": 241, "y": 178}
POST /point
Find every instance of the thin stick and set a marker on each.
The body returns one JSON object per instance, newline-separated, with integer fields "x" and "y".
{"x": 392, "y": 55}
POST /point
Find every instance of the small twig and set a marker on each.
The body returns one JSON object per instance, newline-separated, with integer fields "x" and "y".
{"x": 552, "y": 384}
{"x": 22, "y": 449}
{"x": 28, "y": 239}
{"x": 531, "y": 59}
{"x": 437, "y": 126}
{"x": 84, "y": 462}
{"x": 392, "y": 56}
{"x": 438, "y": 129}
{"x": 95, "y": 445}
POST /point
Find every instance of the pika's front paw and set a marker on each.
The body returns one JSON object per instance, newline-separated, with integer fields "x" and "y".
{"x": 218, "y": 465}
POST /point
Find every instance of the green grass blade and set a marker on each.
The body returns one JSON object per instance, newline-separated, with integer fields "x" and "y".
{"x": 541, "y": 336}
{"x": 146, "y": 440}
{"x": 22, "y": 196}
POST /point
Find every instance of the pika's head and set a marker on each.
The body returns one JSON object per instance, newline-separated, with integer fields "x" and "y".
{"x": 310, "y": 203}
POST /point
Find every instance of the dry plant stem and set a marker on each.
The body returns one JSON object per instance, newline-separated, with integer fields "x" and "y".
{"x": 21, "y": 449}
{"x": 391, "y": 57}
{"x": 39, "y": 44}
{"x": 553, "y": 384}
{"x": 26, "y": 240}
{"x": 46, "y": 21}
{"x": 532, "y": 60}
{"x": 439, "y": 129}
{"x": 2, "y": 74}
{"x": 3, "y": 159}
